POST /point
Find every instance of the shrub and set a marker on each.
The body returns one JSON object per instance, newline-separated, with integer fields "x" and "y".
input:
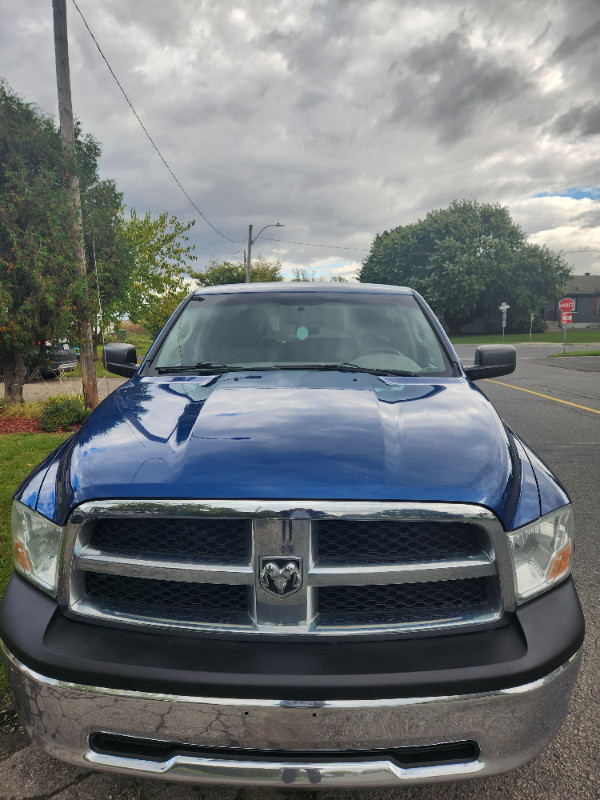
{"x": 63, "y": 412}
{"x": 132, "y": 327}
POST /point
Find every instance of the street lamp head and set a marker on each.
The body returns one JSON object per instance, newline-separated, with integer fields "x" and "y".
{"x": 251, "y": 241}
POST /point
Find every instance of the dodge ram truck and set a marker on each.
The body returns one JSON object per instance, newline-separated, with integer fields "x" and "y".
{"x": 298, "y": 547}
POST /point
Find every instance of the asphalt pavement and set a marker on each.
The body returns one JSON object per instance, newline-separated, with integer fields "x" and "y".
{"x": 554, "y": 404}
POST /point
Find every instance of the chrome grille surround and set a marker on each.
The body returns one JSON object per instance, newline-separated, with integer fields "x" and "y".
{"x": 274, "y": 526}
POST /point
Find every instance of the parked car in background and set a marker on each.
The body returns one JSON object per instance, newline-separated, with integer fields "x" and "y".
{"x": 55, "y": 357}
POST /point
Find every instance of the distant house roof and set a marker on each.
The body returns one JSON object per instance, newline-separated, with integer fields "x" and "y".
{"x": 583, "y": 284}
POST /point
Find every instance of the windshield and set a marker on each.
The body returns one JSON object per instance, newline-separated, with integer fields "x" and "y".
{"x": 370, "y": 332}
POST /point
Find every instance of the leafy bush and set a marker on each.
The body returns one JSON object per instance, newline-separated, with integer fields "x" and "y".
{"x": 63, "y": 412}
{"x": 132, "y": 327}
{"x": 23, "y": 411}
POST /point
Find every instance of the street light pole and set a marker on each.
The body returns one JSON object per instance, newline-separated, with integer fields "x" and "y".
{"x": 248, "y": 256}
{"x": 251, "y": 242}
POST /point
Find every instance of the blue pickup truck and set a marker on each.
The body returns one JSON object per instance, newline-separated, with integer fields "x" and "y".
{"x": 297, "y": 548}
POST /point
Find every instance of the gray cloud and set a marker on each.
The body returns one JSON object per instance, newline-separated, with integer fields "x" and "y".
{"x": 587, "y": 40}
{"x": 453, "y": 85}
{"x": 583, "y": 120}
{"x": 590, "y": 220}
{"x": 338, "y": 118}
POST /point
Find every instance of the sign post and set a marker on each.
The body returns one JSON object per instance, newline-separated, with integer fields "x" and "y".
{"x": 530, "y": 327}
{"x": 567, "y": 307}
{"x": 503, "y": 307}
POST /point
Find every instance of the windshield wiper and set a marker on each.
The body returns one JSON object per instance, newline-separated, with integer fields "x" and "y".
{"x": 212, "y": 366}
{"x": 348, "y": 366}
{"x": 403, "y": 373}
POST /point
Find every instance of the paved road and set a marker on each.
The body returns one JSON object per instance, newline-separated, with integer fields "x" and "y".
{"x": 565, "y": 434}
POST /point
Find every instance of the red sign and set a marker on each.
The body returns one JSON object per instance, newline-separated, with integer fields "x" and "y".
{"x": 567, "y": 304}
{"x": 566, "y": 318}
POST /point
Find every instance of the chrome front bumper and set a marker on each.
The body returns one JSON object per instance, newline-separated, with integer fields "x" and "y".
{"x": 509, "y": 727}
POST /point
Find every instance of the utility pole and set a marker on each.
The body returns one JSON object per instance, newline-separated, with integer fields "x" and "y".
{"x": 67, "y": 134}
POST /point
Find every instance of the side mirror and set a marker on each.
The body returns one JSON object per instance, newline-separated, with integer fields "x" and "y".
{"x": 491, "y": 361}
{"x": 120, "y": 358}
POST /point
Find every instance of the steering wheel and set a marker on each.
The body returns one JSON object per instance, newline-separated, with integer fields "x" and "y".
{"x": 378, "y": 350}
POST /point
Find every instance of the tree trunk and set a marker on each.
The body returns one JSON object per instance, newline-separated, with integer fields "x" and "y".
{"x": 87, "y": 359}
{"x": 14, "y": 378}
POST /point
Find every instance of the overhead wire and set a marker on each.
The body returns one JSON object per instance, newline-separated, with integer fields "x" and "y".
{"x": 150, "y": 139}
{"x": 308, "y": 244}
{"x": 175, "y": 178}
{"x": 183, "y": 190}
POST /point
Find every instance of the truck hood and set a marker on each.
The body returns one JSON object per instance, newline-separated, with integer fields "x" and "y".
{"x": 286, "y": 435}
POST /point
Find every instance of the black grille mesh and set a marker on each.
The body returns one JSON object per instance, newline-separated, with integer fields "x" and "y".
{"x": 355, "y": 601}
{"x": 169, "y": 599}
{"x": 391, "y": 542}
{"x": 221, "y": 541}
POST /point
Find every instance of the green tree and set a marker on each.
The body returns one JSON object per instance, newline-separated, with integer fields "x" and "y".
{"x": 38, "y": 277}
{"x": 109, "y": 252}
{"x": 161, "y": 308}
{"x": 465, "y": 260}
{"x": 161, "y": 258}
{"x": 302, "y": 275}
{"x": 218, "y": 274}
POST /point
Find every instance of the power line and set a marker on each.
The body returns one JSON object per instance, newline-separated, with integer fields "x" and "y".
{"x": 308, "y": 244}
{"x": 176, "y": 179}
{"x": 192, "y": 203}
{"x": 151, "y": 140}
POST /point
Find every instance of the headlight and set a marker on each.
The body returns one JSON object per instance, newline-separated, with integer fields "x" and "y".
{"x": 541, "y": 553}
{"x": 37, "y": 544}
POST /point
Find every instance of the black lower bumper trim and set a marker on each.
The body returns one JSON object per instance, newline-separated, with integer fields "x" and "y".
{"x": 540, "y": 637}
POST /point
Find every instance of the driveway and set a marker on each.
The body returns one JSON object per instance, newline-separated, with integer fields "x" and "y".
{"x": 42, "y": 389}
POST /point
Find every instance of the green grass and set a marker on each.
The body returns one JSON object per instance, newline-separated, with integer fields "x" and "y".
{"x": 576, "y": 353}
{"x": 141, "y": 341}
{"x": 573, "y": 337}
{"x": 19, "y": 454}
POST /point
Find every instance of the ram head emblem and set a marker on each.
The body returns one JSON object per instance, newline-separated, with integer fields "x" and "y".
{"x": 280, "y": 576}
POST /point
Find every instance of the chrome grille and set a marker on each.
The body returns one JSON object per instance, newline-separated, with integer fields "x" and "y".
{"x": 358, "y": 567}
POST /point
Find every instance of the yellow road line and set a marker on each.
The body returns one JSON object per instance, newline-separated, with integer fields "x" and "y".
{"x": 546, "y": 396}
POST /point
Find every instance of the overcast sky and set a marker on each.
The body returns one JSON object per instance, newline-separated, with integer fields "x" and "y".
{"x": 337, "y": 118}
